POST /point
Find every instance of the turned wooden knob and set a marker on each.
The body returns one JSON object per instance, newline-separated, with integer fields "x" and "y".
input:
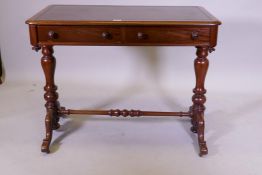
{"x": 194, "y": 35}
{"x": 107, "y": 35}
{"x": 141, "y": 35}
{"x": 52, "y": 35}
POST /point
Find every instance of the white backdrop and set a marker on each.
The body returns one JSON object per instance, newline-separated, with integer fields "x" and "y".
{"x": 110, "y": 77}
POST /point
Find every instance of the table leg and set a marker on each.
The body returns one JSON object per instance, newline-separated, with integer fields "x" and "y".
{"x": 201, "y": 66}
{"x": 48, "y": 63}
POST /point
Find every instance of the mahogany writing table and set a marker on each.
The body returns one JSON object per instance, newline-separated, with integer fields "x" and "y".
{"x": 90, "y": 25}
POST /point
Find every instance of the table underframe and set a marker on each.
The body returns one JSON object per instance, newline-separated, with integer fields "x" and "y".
{"x": 54, "y": 111}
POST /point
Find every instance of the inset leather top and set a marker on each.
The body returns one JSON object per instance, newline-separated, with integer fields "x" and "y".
{"x": 123, "y": 15}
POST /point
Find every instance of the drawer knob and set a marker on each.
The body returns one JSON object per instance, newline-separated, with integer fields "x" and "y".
{"x": 194, "y": 35}
{"x": 141, "y": 36}
{"x": 52, "y": 35}
{"x": 107, "y": 35}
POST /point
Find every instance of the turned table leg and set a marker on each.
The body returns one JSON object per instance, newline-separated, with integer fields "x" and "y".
{"x": 48, "y": 63}
{"x": 201, "y": 66}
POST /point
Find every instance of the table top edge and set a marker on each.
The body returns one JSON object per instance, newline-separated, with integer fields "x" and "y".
{"x": 35, "y": 21}
{"x": 123, "y": 23}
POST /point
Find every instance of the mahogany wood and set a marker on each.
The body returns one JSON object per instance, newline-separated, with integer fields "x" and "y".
{"x": 102, "y": 35}
{"x": 198, "y": 108}
{"x": 130, "y": 26}
{"x": 48, "y": 63}
{"x": 124, "y": 113}
{"x": 123, "y": 15}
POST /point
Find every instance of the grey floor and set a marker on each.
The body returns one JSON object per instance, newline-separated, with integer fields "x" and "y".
{"x": 123, "y": 146}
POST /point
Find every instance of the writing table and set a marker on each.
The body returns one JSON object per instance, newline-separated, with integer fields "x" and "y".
{"x": 91, "y": 25}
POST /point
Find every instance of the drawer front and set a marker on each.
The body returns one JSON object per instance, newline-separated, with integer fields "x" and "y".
{"x": 79, "y": 35}
{"x": 167, "y": 35}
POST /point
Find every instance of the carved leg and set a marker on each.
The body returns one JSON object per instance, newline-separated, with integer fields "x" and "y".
{"x": 201, "y": 66}
{"x": 193, "y": 120}
{"x": 56, "y": 124}
{"x": 200, "y": 132}
{"x": 48, "y": 63}
{"x": 48, "y": 126}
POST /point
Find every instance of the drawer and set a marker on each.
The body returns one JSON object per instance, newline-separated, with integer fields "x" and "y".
{"x": 79, "y": 35}
{"x": 167, "y": 35}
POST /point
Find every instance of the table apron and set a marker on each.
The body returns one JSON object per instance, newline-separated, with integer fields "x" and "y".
{"x": 125, "y": 36}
